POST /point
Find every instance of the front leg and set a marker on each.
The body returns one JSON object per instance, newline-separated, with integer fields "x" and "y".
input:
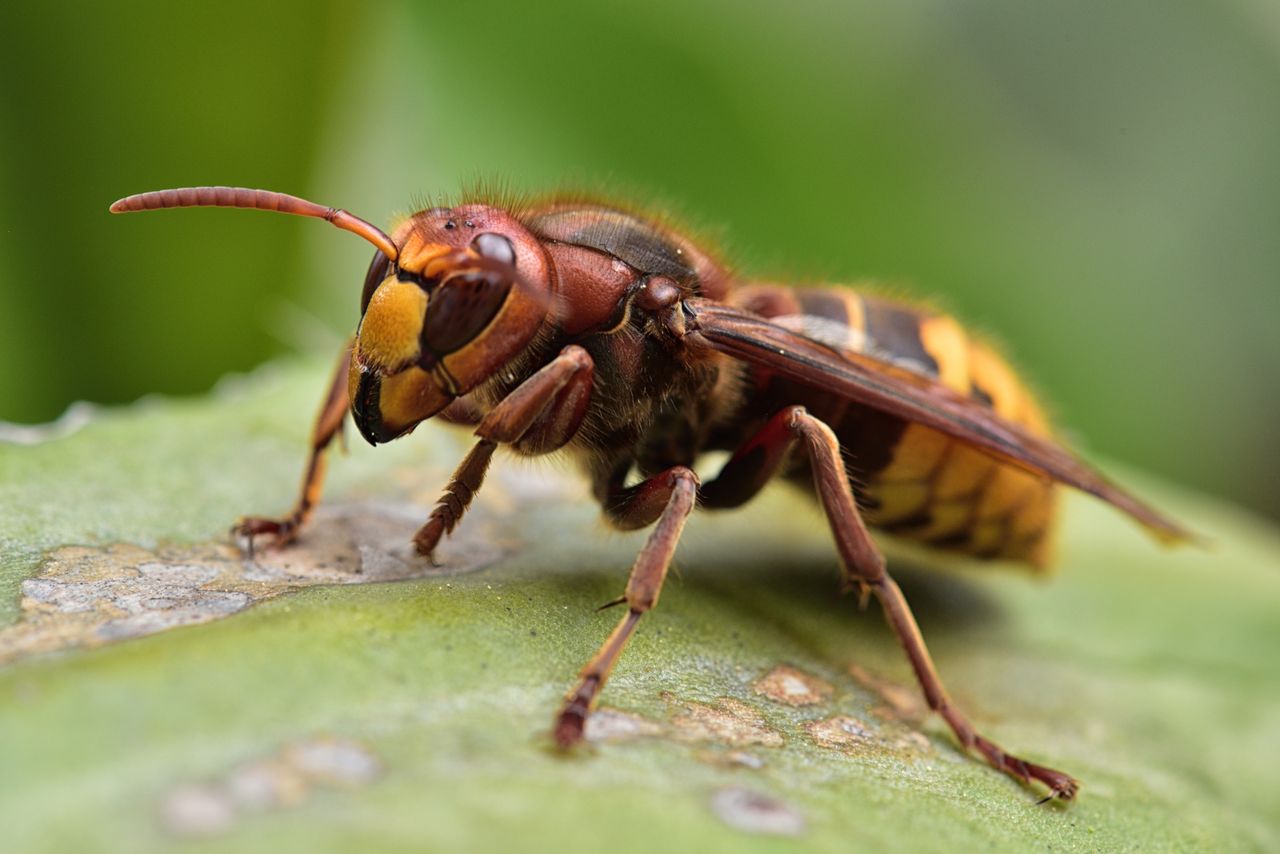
{"x": 328, "y": 424}
{"x": 539, "y": 416}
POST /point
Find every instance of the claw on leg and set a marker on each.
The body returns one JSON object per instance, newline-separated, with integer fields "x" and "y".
{"x": 282, "y": 531}
{"x": 571, "y": 723}
{"x": 327, "y": 425}
{"x": 1061, "y": 786}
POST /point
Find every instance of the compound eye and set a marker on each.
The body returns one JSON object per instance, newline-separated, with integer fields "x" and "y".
{"x": 492, "y": 245}
{"x": 379, "y": 269}
{"x": 461, "y": 308}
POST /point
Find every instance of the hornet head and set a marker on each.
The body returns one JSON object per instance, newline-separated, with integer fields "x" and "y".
{"x": 467, "y": 292}
{"x": 447, "y": 303}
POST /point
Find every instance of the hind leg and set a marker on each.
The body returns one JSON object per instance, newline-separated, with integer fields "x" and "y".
{"x": 864, "y": 568}
{"x": 748, "y": 471}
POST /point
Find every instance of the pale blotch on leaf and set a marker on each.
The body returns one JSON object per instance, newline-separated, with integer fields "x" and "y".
{"x": 754, "y": 812}
{"x": 196, "y": 810}
{"x": 729, "y": 721}
{"x": 733, "y": 759}
{"x": 85, "y": 596}
{"x": 840, "y": 732}
{"x": 792, "y": 687}
{"x": 282, "y": 780}
{"x": 608, "y": 725}
{"x": 847, "y": 734}
{"x": 899, "y": 702}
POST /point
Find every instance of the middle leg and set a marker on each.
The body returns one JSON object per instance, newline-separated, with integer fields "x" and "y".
{"x": 668, "y": 497}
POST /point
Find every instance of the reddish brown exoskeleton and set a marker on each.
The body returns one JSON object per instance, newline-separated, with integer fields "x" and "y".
{"x": 574, "y": 325}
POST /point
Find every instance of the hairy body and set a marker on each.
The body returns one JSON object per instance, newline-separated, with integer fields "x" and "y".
{"x": 578, "y": 326}
{"x": 655, "y": 407}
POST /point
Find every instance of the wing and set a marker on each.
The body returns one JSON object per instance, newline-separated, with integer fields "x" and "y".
{"x": 907, "y": 395}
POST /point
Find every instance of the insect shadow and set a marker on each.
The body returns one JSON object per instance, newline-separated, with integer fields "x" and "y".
{"x": 789, "y": 591}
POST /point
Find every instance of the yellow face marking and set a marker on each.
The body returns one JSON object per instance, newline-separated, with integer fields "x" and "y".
{"x": 408, "y": 397}
{"x": 944, "y": 340}
{"x": 417, "y": 255}
{"x": 411, "y": 244}
{"x": 391, "y": 327}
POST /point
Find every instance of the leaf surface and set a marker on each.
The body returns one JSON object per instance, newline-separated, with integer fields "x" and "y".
{"x": 158, "y": 687}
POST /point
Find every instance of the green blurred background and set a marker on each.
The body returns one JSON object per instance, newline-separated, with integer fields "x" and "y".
{"x": 1095, "y": 183}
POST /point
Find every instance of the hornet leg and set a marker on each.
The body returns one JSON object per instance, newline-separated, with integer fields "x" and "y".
{"x": 864, "y": 568}
{"x": 668, "y": 497}
{"x": 328, "y": 424}
{"x": 538, "y": 416}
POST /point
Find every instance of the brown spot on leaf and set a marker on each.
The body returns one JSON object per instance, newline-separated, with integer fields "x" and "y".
{"x": 729, "y": 721}
{"x": 912, "y": 741}
{"x": 792, "y": 687}
{"x": 841, "y": 732}
{"x": 900, "y": 702}
{"x": 847, "y": 734}
{"x": 85, "y": 596}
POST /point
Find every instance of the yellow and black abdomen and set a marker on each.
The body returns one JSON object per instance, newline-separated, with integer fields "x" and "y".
{"x": 913, "y": 481}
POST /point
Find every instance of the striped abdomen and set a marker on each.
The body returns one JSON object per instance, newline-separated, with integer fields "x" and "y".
{"x": 913, "y": 481}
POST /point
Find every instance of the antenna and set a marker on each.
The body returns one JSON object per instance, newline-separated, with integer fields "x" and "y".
{"x": 262, "y": 200}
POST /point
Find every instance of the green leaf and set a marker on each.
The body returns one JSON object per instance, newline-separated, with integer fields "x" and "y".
{"x": 157, "y": 687}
